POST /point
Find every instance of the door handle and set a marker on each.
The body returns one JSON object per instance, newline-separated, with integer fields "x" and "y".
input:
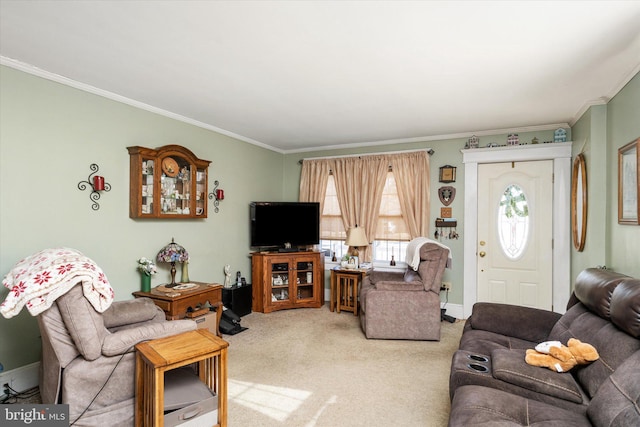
{"x": 482, "y": 254}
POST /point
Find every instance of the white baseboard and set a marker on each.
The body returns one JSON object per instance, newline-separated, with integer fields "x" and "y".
{"x": 22, "y": 378}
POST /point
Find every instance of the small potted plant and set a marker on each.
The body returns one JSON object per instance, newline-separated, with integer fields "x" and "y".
{"x": 148, "y": 268}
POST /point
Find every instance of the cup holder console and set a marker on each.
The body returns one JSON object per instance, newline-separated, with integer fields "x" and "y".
{"x": 478, "y": 367}
{"x": 477, "y": 358}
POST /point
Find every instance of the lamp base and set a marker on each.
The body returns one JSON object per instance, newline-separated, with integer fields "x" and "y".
{"x": 173, "y": 276}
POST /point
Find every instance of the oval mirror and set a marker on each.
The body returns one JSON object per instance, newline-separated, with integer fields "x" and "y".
{"x": 579, "y": 202}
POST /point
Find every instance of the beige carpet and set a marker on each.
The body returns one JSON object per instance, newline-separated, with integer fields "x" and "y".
{"x": 311, "y": 367}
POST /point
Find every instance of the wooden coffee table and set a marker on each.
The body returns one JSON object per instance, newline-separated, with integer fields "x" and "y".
{"x": 176, "y": 303}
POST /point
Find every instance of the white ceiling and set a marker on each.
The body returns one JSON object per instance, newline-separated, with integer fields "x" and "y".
{"x": 294, "y": 76}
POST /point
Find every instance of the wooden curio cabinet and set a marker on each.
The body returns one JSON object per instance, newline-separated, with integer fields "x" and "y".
{"x": 169, "y": 182}
{"x": 287, "y": 280}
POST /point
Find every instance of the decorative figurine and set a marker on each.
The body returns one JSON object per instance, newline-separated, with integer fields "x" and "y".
{"x": 227, "y": 276}
{"x": 513, "y": 139}
{"x": 560, "y": 135}
{"x": 473, "y": 142}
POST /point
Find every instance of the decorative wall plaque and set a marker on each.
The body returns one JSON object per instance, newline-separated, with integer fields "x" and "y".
{"x": 446, "y": 195}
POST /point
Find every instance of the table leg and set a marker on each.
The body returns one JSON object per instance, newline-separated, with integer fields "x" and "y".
{"x": 332, "y": 292}
{"x": 222, "y": 388}
{"x": 355, "y": 296}
{"x": 218, "y": 308}
{"x": 139, "y": 391}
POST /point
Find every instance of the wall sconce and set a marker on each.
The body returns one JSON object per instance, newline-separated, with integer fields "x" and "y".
{"x": 447, "y": 173}
{"x": 217, "y": 194}
{"x": 97, "y": 184}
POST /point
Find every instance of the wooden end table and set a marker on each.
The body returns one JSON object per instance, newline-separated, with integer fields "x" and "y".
{"x": 155, "y": 357}
{"x": 344, "y": 288}
{"x": 176, "y": 303}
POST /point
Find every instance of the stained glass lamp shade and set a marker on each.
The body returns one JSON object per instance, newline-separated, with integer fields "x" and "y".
{"x": 173, "y": 253}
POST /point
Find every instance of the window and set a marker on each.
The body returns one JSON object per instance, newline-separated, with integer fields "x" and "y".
{"x": 391, "y": 235}
{"x": 513, "y": 221}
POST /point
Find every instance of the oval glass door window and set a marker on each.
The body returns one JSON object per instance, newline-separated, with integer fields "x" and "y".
{"x": 513, "y": 221}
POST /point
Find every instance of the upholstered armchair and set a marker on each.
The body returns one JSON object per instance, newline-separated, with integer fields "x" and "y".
{"x": 395, "y": 305}
{"x": 88, "y": 358}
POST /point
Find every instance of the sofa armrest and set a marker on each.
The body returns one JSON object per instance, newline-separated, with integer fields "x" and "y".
{"x": 377, "y": 276}
{"x": 525, "y": 323}
{"x": 129, "y": 312}
{"x": 399, "y": 286}
{"x": 124, "y": 340}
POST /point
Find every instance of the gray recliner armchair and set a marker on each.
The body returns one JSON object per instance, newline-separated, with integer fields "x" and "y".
{"x": 396, "y": 305}
{"x": 88, "y": 358}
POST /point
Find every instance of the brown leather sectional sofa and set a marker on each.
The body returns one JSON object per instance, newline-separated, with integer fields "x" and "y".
{"x": 491, "y": 384}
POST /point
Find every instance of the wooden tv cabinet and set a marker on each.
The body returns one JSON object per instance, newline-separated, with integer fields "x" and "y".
{"x": 287, "y": 280}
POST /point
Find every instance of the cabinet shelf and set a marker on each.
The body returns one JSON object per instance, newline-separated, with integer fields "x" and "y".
{"x": 169, "y": 182}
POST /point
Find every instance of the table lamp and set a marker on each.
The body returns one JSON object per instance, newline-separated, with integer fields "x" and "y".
{"x": 171, "y": 253}
{"x": 356, "y": 238}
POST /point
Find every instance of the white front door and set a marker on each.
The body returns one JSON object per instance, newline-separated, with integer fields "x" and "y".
{"x": 515, "y": 233}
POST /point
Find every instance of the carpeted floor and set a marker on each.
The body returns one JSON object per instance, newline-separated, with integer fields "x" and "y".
{"x": 315, "y": 368}
{"x": 311, "y": 367}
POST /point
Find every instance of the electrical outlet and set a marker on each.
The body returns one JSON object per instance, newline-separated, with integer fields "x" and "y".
{"x": 446, "y": 286}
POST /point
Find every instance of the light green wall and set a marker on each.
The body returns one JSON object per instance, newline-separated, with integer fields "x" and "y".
{"x": 589, "y": 138}
{"x": 600, "y": 132}
{"x": 51, "y": 133}
{"x": 623, "y": 126}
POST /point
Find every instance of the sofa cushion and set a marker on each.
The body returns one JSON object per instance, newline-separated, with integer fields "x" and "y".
{"x": 83, "y": 322}
{"x": 480, "y": 406}
{"x": 412, "y": 276}
{"x": 616, "y": 402}
{"x": 594, "y": 288}
{"x": 625, "y": 307}
{"x": 613, "y": 344}
{"x": 510, "y": 366}
{"x": 484, "y": 342}
{"x": 525, "y": 323}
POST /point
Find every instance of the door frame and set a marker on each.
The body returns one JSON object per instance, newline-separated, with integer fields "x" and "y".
{"x": 560, "y": 153}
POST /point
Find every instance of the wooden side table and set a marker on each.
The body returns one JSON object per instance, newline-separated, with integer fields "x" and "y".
{"x": 344, "y": 288}
{"x": 155, "y": 357}
{"x": 176, "y": 303}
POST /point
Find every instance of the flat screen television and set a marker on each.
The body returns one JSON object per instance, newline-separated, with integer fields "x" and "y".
{"x": 284, "y": 225}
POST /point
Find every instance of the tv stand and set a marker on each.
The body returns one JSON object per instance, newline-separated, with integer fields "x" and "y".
{"x": 283, "y": 280}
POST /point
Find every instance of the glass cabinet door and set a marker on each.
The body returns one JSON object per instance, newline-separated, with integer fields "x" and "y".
{"x": 279, "y": 281}
{"x": 147, "y": 186}
{"x": 175, "y": 183}
{"x": 201, "y": 192}
{"x": 305, "y": 279}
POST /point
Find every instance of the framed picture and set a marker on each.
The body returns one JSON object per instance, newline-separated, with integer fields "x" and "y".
{"x": 628, "y": 183}
{"x": 447, "y": 173}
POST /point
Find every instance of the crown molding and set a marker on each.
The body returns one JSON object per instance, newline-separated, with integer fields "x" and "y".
{"x": 30, "y": 69}
{"x": 605, "y": 99}
{"x": 537, "y": 128}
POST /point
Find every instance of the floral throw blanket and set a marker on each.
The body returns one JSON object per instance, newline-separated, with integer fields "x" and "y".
{"x": 39, "y": 279}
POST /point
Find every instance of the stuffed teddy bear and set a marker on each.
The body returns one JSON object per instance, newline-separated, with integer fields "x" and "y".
{"x": 560, "y": 358}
